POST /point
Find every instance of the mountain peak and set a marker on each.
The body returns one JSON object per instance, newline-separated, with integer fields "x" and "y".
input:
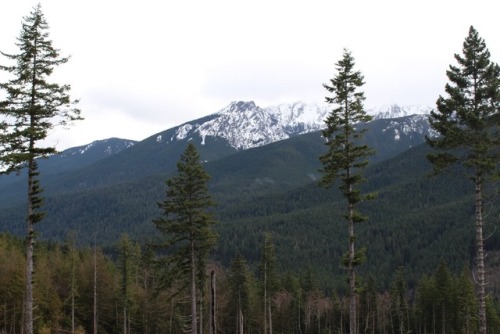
{"x": 240, "y": 106}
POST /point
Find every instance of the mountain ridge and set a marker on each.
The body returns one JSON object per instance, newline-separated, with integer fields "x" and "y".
{"x": 239, "y": 126}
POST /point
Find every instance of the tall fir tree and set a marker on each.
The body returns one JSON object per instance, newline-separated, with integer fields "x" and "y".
{"x": 467, "y": 302}
{"x": 268, "y": 280}
{"x": 128, "y": 263}
{"x": 240, "y": 284}
{"x": 346, "y": 157}
{"x": 187, "y": 222}
{"x": 468, "y": 121}
{"x": 399, "y": 304}
{"x": 33, "y": 106}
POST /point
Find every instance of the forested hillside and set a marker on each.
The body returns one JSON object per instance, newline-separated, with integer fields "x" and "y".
{"x": 415, "y": 221}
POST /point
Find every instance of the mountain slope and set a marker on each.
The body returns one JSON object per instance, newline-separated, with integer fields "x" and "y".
{"x": 90, "y": 196}
{"x": 415, "y": 220}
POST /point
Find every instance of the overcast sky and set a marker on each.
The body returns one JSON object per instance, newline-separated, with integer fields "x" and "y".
{"x": 141, "y": 67}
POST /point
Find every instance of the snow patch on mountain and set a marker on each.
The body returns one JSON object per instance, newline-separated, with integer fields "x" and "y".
{"x": 84, "y": 149}
{"x": 183, "y": 131}
{"x": 416, "y": 123}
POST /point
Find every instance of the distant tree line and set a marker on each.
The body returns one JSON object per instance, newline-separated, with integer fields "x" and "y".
{"x": 247, "y": 299}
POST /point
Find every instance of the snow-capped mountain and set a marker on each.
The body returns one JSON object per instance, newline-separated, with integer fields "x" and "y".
{"x": 245, "y": 125}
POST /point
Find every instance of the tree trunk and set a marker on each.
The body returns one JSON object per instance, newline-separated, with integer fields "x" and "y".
{"x": 124, "y": 320}
{"x": 171, "y": 315}
{"x": 95, "y": 288}
{"x": 201, "y": 314}
{"x": 350, "y": 217}
{"x": 193, "y": 290}
{"x": 352, "y": 275}
{"x": 72, "y": 311}
{"x": 265, "y": 298}
{"x": 240, "y": 320}
{"x": 73, "y": 285}
{"x": 28, "y": 305}
{"x": 239, "y": 316}
{"x": 213, "y": 323}
{"x": 481, "y": 281}
{"x": 298, "y": 316}
{"x": 28, "y": 311}
{"x": 270, "y": 317}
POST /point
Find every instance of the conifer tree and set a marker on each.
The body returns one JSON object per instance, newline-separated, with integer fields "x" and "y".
{"x": 33, "y": 106}
{"x": 128, "y": 265}
{"x": 467, "y": 302}
{"x": 399, "y": 304}
{"x": 468, "y": 121}
{"x": 187, "y": 223}
{"x": 268, "y": 280}
{"x": 346, "y": 156}
{"x": 240, "y": 285}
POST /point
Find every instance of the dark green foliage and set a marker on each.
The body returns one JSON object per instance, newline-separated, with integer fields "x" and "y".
{"x": 34, "y": 195}
{"x": 345, "y": 154}
{"x": 186, "y": 216}
{"x": 446, "y": 303}
{"x": 468, "y": 118}
{"x": 33, "y": 104}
